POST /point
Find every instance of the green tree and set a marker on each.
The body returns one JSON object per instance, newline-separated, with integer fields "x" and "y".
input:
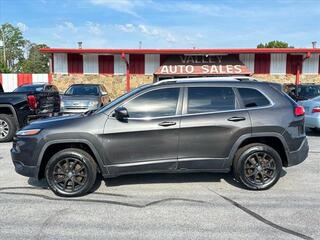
{"x": 3, "y": 69}
{"x": 36, "y": 62}
{"x": 274, "y": 44}
{"x": 12, "y": 49}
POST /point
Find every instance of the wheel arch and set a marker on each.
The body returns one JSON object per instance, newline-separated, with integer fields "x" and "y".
{"x": 274, "y": 140}
{"x": 9, "y": 110}
{"x": 52, "y": 147}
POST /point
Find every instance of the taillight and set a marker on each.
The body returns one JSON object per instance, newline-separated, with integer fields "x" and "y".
{"x": 316, "y": 110}
{"x": 32, "y": 101}
{"x": 299, "y": 111}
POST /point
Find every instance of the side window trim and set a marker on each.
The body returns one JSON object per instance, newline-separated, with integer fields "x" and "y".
{"x": 178, "y": 108}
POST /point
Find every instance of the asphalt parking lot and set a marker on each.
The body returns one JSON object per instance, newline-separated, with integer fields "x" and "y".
{"x": 165, "y": 206}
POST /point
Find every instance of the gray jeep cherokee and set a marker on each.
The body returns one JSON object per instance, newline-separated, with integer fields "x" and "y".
{"x": 197, "y": 125}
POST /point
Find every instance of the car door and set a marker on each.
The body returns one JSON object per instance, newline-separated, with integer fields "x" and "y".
{"x": 211, "y": 123}
{"x": 148, "y": 140}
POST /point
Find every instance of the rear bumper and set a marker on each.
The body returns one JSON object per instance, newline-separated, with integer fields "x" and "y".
{"x": 312, "y": 121}
{"x": 298, "y": 156}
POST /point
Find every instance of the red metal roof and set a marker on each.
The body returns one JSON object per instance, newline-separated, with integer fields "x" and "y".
{"x": 180, "y": 51}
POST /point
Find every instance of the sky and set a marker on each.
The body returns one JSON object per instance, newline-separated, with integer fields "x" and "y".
{"x": 164, "y": 23}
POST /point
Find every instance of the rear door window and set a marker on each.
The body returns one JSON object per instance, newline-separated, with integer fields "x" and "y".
{"x": 253, "y": 98}
{"x": 210, "y": 99}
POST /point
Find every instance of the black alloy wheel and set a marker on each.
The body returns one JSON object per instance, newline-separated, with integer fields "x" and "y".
{"x": 257, "y": 166}
{"x": 71, "y": 172}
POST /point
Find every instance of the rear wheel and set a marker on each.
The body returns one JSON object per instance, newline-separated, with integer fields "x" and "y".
{"x": 257, "y": 166}
{"x": 7, "y": 128}
{"x": 315, "y": 130}
{"x": 71, "y": 172}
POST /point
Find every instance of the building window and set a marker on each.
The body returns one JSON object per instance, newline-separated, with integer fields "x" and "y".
{"x": 136, "y": 62}
{"x": 262, "y": 63}
{"x": 106, "y": 64}
{"x": 75, "y": 63}
{"x": 293, "y": 63}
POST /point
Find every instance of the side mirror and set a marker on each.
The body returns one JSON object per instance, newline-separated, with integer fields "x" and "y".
{"x": 121, "y": 113}
{"x": 104, "y": 93}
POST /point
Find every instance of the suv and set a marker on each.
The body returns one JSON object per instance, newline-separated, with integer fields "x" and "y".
{"x": 198, "y": 125}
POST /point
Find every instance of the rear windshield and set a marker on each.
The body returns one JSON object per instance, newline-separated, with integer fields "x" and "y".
{"x": 31, "y": 88}
{"x": 83, "y": 90}
{"x": 308, "y": 91}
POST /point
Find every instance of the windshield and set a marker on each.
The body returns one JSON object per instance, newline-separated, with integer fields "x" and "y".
{"x": 309, "y": 91}
{"x": 30, "y": 88}
{"x": 83, "y": 90}
{"x": 121, "y": 98}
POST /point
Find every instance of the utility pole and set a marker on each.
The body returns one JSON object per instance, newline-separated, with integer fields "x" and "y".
{"x": 4, "y": 48}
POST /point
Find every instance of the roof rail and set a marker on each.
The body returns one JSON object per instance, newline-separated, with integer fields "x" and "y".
{"x": 206, "y": 79}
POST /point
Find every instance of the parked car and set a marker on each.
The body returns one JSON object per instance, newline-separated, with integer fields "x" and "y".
{"x": 196, "y": 125}
{"x": 40, "y": 87}
{"x": 17, "y": 109}
{"x": 312, "y": 108}
{"x": 80, "y": 98}
{"x": 303, "y": 92}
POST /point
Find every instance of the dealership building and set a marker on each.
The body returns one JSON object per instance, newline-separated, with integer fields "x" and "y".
{"x": 122, "y": 69}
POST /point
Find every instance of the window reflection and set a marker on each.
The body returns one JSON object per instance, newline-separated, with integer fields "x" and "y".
{"x": 157, "y": 103}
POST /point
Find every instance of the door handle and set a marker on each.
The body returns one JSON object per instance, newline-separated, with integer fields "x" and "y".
{"x": 167, "y": 124}
{"x": 236, "y": 119}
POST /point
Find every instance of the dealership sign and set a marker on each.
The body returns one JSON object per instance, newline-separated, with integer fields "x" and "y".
{"x": 202, "y": 65}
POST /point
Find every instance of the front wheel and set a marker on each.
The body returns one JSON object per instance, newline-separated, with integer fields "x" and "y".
{"x": 71, "y": 172}
{"x": 257, "y": 166}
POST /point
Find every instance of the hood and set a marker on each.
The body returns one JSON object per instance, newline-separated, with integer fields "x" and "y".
{"x": 79, "y": 97}
{"x": 53, "y": 121}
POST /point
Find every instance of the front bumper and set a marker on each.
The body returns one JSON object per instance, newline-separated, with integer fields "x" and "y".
{"x": 28, "y": 171}
{"x": 298, "y": 156}
{"x": 24, "y": 154}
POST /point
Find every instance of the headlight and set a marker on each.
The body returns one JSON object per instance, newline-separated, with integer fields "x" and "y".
{"x": 61, "y": 104}
{"x": 93, "y": 103}
{"x": 29, "y": 132}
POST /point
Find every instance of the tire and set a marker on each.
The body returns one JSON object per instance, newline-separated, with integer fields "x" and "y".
{"x": 71, "y": 172}
{"x": 257, "y": 166}
{"x": 8, "y": 128}
{"x": 315, "y": 130}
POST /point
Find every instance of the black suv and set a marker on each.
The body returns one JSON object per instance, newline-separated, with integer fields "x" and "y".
{"x": 198, "y": 125}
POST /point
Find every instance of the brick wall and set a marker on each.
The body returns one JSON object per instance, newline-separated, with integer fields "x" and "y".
{"x": 289, "y": 78}
{"x": 115, "y": 84}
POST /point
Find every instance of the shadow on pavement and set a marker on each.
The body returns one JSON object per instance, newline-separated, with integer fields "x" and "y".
{"x": 156, "y": 178}
{"x": 313, "y": 133}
